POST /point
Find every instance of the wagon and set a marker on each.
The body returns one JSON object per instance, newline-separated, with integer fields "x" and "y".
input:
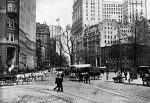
{"x": 146, "y": 80}
{"x": 75, "y": 70}
{"x": 118, "y": 79}
{"x": 7, "y": 80}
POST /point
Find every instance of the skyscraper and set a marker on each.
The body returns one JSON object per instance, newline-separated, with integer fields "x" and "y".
{"x": 133, "y": 8}
{"x": 90, "y": 12}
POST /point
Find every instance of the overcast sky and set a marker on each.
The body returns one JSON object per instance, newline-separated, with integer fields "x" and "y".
{"x": 50, "y": 10}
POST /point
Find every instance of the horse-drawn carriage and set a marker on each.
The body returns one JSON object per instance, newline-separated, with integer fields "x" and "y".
{"x": 7, "y": 79}
{"x": 144, "y": 72}
{"x": 77, "y": 70}
{"x": 22, "y": 77}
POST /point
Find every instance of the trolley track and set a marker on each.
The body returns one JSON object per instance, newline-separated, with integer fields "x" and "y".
{"x": 122, "y": 93}
{"x": 67, "y": 95}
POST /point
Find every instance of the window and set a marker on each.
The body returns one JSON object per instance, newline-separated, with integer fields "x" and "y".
{"x": 10, "y": 22}
{"x": 11, "y": 7}
{"x": 10, "y": 36}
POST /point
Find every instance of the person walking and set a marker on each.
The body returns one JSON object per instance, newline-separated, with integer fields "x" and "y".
{"x": 87, "y": 78}
{"x": 60, "y": 85}
{"x": 125, "y": 74}
{"x": 58, "y": 81}
{"x": 131, "y": 76}
{"x": 62, "y": 76}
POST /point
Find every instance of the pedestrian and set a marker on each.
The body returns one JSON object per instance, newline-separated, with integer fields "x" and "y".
{"x": 60, "y": 85}
{"x": 131, "y": 76}
{"x": 87, "y": 78}
{"x": 58, "y": 81}
{"x": 125, "y": 74}
{"x": 119, "y": 75}
{"x": 62, "y": 76}
{"x": 80, "y": 77}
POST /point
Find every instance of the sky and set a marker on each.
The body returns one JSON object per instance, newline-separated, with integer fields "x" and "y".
{"x": 50, "y": 10}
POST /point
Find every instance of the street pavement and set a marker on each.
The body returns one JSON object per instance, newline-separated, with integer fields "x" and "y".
{"x": 98, "y": 91}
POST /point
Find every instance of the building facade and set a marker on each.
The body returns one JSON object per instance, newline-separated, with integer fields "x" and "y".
{"x": 133, "y": 8}
{"x": 43, "y": 45}
{"x": 92, "y": 47}
{"x": 55, "y": 33}
{"x": 17, "y": 33}
{"x": 90, "y": 12}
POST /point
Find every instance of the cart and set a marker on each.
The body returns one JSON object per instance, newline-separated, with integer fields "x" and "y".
{"x": 6, "y": 80}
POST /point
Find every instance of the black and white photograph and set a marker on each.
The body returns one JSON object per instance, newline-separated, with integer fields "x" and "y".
{"x": 74, "y": 51}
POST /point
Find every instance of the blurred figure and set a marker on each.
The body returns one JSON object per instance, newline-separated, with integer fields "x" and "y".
{"x": 87, "y": 78}
{"x": 80, "y": 77}
{"x": 119, "y": 75}
{"x": 125, "y": 74}
{"x": 62, "y": 76}
{"x": 58, "y": 81}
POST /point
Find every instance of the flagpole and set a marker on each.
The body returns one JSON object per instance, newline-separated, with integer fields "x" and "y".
{"x": 57, "y": 20}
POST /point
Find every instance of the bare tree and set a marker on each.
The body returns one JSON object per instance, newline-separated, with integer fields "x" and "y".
{"x": 68, "y": 42}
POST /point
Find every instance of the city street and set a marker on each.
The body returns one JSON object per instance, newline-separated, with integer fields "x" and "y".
{"x": 99, "y": 91}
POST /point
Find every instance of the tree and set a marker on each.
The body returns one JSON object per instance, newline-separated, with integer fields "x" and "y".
{"x": 68, "y": 42}
{"x": 136, "y": 44}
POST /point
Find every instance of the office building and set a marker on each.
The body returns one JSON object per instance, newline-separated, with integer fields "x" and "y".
{"x": 133, "y": 8}
{"x": 43, "y": 45}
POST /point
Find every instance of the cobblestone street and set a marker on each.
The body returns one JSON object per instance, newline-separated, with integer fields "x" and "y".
{"x": 99, "y": 91}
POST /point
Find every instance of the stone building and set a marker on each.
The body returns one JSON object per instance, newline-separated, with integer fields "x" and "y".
{"x": 43, "y": 44}
{"x": 17, "y": 33}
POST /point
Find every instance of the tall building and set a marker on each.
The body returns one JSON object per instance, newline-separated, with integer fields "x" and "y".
{"x": 131, "y": 8}
{"x": 17, "y": 33}
{"x": 112, "y": 11}
{"x": 27, "y": 33}
{"x": 43, "y": 44}
{"x": 55, "y": 32}
{"x": 92, "y": 47}
{"x": 90, "y": 12}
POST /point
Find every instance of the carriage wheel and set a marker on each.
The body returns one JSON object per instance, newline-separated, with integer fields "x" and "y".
{"x": 5, "y": 82}
{"x": 1, "y": 83}
{"x": 11, "y": 82}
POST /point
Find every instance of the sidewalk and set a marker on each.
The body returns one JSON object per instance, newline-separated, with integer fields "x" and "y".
{"x": 111, "y": 75}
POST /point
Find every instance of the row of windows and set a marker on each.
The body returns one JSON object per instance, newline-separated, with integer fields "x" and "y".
{"x": 108, "y": 42}
{"x": 93, "y": 10}
{"x": 93, "y": 15}
{"x": 110, "y": 37}
{"x": 108, "y": 28}
{"x": 111, "y": 5}
{"x": 109, "y": 32}
{"x": 126, "y": 31}
{"x": 92, "y": 19}
{"x": 106, "y": 12}
{"x": 113, "y": 9}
